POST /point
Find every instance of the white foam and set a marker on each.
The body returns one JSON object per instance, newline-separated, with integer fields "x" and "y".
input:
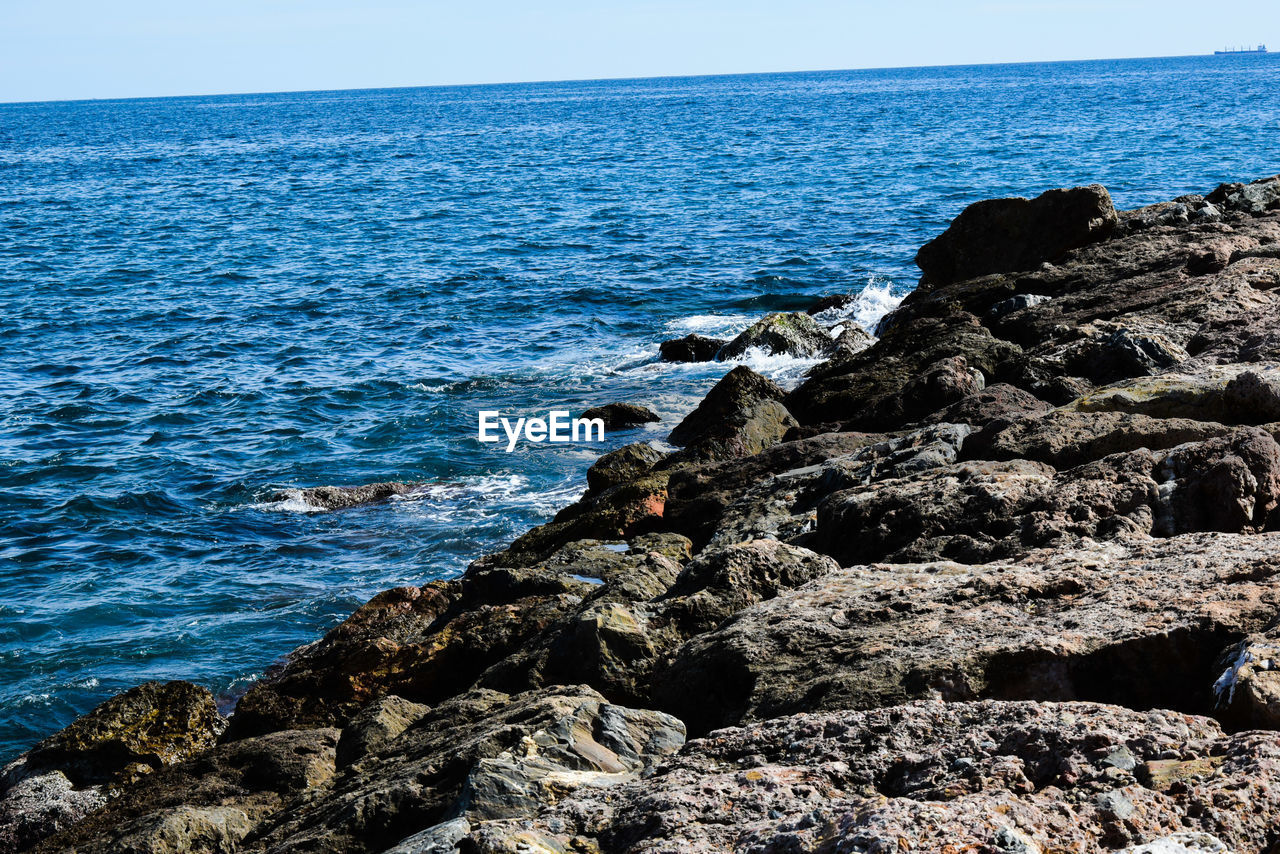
{"x": 713, "y": 325}
{"x": 867, "y": 309}
{"x": 786, "y": 371}
{"x": 293, "y": 502}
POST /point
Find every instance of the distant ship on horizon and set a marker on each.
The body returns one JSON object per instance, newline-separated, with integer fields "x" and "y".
{"x": 1262, "y": 48}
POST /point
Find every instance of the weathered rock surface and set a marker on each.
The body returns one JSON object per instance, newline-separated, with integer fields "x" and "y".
{"x": 992, "y": 777}
{"x": 742, "y": 415}
{"x": 1009, "y": 235}
{"x": 795, "y": 334}
{"x": 480, "y": 756}
{"x": 346, "y": 497}
{"x": 209, "y": 803}
{"x": 1140, "y": 624}
{"x": 628, "y": 463}
{"x": 618, "y": 416}
{"x": 131, "y": 734}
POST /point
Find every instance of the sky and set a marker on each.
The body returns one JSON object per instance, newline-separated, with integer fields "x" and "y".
{"x": 74, "y": 49}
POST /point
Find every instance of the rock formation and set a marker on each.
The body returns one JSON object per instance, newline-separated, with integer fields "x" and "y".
{"x": 1006, "y": 579}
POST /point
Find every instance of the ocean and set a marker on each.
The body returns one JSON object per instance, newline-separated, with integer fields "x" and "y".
{"x": 204, "y": 301}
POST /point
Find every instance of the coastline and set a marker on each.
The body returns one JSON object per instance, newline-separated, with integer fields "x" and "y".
{"x": 1034, "y": 509}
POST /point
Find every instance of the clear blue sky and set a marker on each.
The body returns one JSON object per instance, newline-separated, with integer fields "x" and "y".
{"x": 64, "y": 49}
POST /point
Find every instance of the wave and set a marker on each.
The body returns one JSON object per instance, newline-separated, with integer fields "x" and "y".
{"x": 451, "y": 499}
{"x": 867, "y": 309}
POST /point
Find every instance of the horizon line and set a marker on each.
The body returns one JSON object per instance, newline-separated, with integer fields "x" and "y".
{"x": 248, "y": 93}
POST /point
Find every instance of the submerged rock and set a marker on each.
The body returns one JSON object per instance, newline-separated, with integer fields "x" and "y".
{"x": 346, "y": 497}
{"x": 619, "y": 415}
{"x": 691, "y": 348}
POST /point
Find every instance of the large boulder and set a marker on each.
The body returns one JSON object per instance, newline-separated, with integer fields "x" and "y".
{"x": 691, "y": 348}
{"x": 1254, "y": 198}
{"x": 1141, "y": 623}
{"x": 1008, "y": 235}
{"x": 209, "y": 804}
{"x": 131, "y": 734}
{"x": 623, "y": 465}
{"x": 1065, "y": 438}
{"x": 795, "y": 334}
{"x": 984, "y": 510}
{"x": 742, "y": 415}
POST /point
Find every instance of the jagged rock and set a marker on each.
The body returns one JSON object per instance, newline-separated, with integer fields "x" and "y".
{"x": 625, "y": 464}
{"x": 866, "y": 392}
{"x": 691, "y": 348}
{"x": 622, "y": 415}
{"x": 628, "y": 509}
{"x": 699, "y": 494}
{"x": 1064, "y": 438}
{"x": 1254, "y": 198}
{"x": 346, "y": 497}
{"x": 997, "y": 777}
{"x": 997, "y": 402}
{"x": 981, "y": 510}
{"x": 209, "y": 803}
{"x": 183, "y": 830}
{"x": 1229, "y": 483}
{"x": 1247, "y": 690}
{"x": 614, "y": 643}
{"x": 1252, "y": 397}
{"x": 1006, "y": 235}
{"x": 39, "y": 805}
{"x": 785, "y": 506}
{"x": 1201, "y": 394}
{"x": 740, "y": 416}
{"x": 424, "y": 644}
{"x": 421, "y": 643}
{"x": 1017, "y": 302}
{"x": 133, "y": 733}
{"x": 849, "y": 341}
{"x": 1140, "y": 624}
{"x": 1113, "y": 352}
{"x": 795, "y": 334}
{"x": 941, "y": 384}
{"x": 477, "y": 755}
{"x": 375, "y": 726}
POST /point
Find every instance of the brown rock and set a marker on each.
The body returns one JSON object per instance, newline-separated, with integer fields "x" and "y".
{"x": 1007, "y": 235}
{"x": 625, "y": 464}
{"x": 1140, "y": 624}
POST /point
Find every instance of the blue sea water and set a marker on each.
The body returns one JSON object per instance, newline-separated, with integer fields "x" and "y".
{"x": 205, "y": 300}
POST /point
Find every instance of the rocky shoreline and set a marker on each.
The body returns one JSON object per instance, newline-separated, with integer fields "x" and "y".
{"x": 1005, "y": 579}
